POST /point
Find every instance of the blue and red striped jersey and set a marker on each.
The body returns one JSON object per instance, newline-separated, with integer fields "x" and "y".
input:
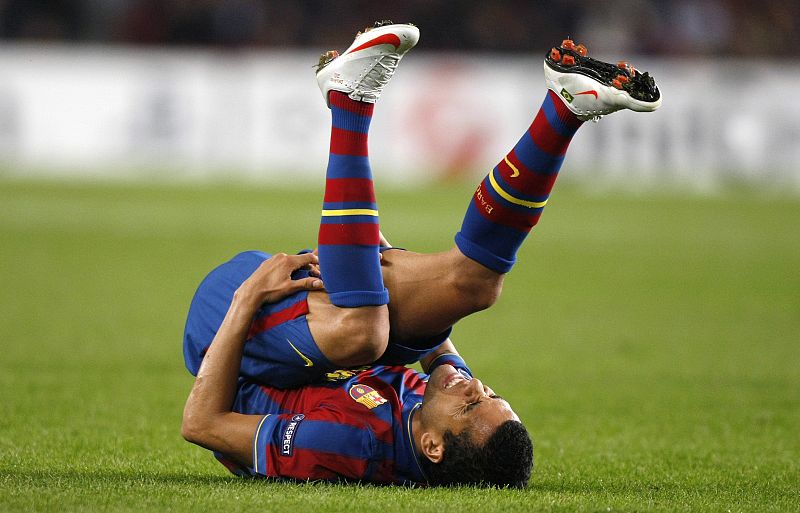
{"x": 355, "y": 426}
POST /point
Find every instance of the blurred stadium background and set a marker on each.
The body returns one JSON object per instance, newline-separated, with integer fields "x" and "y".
{"x": 224, "y": 90}
{"x": 648, "y": 336}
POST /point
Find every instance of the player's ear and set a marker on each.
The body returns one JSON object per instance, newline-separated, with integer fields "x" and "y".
{"x": 432, "y": 446}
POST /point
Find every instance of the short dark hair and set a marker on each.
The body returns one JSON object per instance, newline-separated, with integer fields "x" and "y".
{"x": 505, "y": 460}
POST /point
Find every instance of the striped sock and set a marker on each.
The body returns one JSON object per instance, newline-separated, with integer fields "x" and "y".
{"x": 510, "y": 200}
{"x": 348, "y": 232}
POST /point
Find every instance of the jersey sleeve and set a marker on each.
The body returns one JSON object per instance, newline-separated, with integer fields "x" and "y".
{"x": 316, "y": 446}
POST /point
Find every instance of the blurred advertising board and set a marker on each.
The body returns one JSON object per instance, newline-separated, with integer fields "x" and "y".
{"x": 112, "y": 112}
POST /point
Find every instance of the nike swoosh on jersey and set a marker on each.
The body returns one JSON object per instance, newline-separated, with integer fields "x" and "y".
{"x": 590, "y": 91}
{"x": 308, "y": 362}
{"x": 385, "y": 39}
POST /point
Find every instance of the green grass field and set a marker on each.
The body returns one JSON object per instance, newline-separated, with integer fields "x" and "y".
{"x": 651, "y": 344}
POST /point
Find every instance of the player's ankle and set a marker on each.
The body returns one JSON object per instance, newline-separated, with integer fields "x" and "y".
{"x": 343, "y": 101}
{"x": 567, "y": 117}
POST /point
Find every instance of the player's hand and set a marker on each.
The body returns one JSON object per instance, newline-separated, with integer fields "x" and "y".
{"x": 313, "y": 267}
{"x": 272, "y": 281}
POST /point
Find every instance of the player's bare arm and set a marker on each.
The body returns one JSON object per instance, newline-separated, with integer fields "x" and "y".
{"x": 207, "y": 417}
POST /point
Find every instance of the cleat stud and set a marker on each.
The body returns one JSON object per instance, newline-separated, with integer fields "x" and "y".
{"x": 581, "y": 50}
{"x": 616, "y": 83}
{"x": 623, "y": 79}
{"x": 632, "y": 71}
{"x": 622, "y": 65}
{"x": 568, "y": 44}
{"x": 568, "y": 60}
{"x": 555, "y": 54}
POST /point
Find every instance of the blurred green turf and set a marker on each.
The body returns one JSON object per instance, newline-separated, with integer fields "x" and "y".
{"x": 649, "y": 343}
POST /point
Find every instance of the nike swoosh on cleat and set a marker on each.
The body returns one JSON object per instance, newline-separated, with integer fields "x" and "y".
{"x": 308, "y": 362}
{"x": 386, "y": 39}
{"x": 590, "y": 91}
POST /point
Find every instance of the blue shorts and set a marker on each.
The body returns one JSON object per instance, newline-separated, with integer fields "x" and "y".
{"x": 280, "y": 351}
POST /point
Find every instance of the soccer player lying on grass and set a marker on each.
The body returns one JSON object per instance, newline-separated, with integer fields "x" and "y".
{"x": 271, "y": 397}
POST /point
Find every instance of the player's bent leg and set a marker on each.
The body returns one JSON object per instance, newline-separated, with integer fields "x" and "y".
{"x": 432, "y": 292}
{"x": 355, "y": 331}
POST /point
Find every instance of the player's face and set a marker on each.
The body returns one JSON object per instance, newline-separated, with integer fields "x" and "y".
{"x": 453, "y": 402}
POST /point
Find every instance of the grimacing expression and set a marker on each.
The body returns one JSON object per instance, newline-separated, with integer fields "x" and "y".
{"x": 454, "y": 403}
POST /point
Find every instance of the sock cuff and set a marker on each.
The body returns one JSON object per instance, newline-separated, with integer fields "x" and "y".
{"x": 483, "y": 256}
{"x": 356, "y": 298}
{"x": 344, "y": 102}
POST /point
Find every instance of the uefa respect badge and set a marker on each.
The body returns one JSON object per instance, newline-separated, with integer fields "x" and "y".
{"x": 287, "y": 440}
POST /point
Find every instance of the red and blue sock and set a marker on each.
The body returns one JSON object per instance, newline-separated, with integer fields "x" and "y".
{"x": 510, "y": 200}
{"x": 349, "y": 235}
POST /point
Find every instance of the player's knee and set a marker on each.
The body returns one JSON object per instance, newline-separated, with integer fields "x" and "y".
{"x": 488, "y": 295}
{"x": 363, "y": 338}
{"x": 366, "y": 345}
{"x": 480, "y": 294}
{"x": 366, "y": 348}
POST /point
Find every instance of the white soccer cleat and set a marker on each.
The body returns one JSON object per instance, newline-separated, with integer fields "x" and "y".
{"x": 367, "y": 66}
{"x": 591, "y": 88}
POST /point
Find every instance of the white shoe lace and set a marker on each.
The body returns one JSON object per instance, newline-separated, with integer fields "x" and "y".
{"x": 377, "y": 77}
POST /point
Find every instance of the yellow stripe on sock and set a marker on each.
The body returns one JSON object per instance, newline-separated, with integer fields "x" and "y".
{"x": 513, "y": 168}
{"x": 350, "y": 212}
{"x": 506, "y": 196}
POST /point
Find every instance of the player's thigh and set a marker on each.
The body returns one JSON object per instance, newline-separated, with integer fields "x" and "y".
{"x": 430, "y": 292}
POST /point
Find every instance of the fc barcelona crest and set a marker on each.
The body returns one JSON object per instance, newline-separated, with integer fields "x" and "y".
{"x": 366, "y": 395}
